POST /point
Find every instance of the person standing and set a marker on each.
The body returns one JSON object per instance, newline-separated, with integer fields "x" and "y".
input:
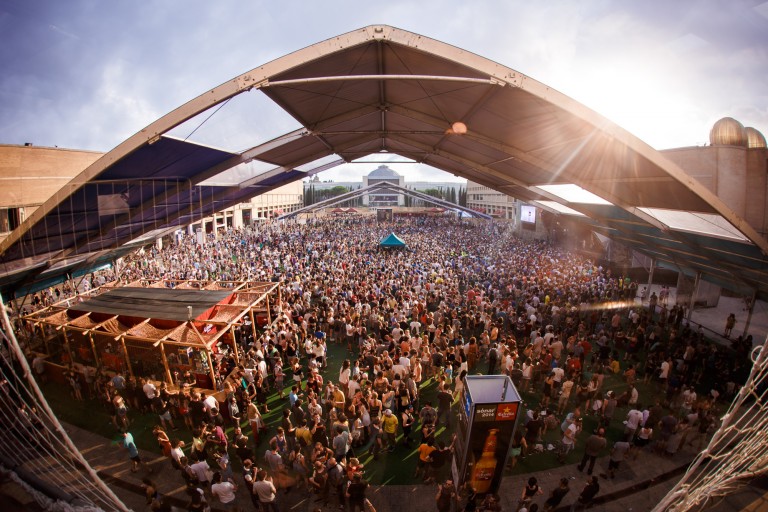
{"x": 224, "y": 491}
{"x": 355, "y": 493}
{"x": 568, "y": 441}
{"x": 530, "y": 491}
{"x": 730, "y": 322}
{"x": 133, "y": 453}
{"x": 341, "y": 443}
{"x": 557, "y": 495}
{"x": 389, "y": 426}
{"x": 608, "y": 409}
{"x": 493, "y": 358}
{"x": 444, "y": 401}
{"x": 446, "y": 496}
{"x": 266, "y": 491}
{"x": 633, "y": 422}
{"x": 594, "y": 445}
{"x": 588, "y": 494}
{"x": 408, "y": 420}
{"x": 618, "y": 454}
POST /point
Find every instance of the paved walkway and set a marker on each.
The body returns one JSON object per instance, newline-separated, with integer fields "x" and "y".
{"x": 638, "y": 486}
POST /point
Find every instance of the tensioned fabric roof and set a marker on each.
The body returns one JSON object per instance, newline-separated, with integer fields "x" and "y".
{"x": 380, "y": 89}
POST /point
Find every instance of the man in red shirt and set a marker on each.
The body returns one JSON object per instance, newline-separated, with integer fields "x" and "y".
{"x": 586, "y": 348}
{"x": 574, "y": 365}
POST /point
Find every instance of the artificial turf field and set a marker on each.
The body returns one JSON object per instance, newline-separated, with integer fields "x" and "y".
{"x": 391, "y": 468}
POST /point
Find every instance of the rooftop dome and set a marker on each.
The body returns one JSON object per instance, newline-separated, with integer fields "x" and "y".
{"x": 755, "y": 139}
{"x": 383, "y": 172}
{"x": 728, "y": 132}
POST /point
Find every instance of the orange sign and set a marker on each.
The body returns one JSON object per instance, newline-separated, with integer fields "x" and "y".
{"x": 506, "y": 412}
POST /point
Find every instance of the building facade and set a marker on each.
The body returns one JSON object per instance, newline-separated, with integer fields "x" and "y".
{"x": 383, "y": 197}
{"x": 734, "y": 166}
{"x": 30, "y": 175}
{"x": 270, "y": 205}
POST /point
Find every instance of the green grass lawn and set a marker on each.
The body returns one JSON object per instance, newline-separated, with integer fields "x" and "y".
{"x": 391, "y": 468}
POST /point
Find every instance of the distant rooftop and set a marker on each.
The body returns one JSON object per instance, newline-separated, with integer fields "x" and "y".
{"x": 383, "y": 172}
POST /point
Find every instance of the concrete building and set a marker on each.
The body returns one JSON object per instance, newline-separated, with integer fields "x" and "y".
{"x": 734, "y": 166}
{"x": 261, "y": 208}
{"x": 383, "y": 174}
{"x": 496, "y": 204}
{"x": 29, "y": 175}
{"x": 396, "y": 178}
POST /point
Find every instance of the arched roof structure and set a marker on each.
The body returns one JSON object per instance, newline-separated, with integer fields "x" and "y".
{"x": 381, "y": 89}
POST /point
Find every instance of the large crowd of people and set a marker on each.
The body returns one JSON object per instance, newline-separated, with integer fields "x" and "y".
{"x": 463, "y": 298}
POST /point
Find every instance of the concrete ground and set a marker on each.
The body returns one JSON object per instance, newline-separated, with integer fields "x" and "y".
{"x": 638, "y": 485}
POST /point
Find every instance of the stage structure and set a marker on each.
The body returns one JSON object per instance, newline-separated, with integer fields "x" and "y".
{"x": 488, "y": 412}
{"x": 151, "y": 328}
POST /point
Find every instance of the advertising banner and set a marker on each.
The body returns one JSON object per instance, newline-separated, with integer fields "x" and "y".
{"x": 493, "y": 426}
{"x": 488, "y": 411}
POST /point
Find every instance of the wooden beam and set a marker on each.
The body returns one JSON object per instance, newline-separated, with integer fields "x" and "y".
{"x": 165, "y": 364}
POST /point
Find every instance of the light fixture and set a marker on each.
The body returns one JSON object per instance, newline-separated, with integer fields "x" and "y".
{"x": 457, "y": 128}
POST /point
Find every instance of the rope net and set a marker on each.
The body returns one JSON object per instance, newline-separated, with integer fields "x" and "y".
{"x": 35, "y": 446}
{"x": 737, "y": 452}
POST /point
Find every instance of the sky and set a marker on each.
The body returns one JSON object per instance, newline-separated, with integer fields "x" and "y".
{"x": 87, "y": 74}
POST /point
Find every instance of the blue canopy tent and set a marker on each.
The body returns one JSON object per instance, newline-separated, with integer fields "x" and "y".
{"x": 392, "y": 241}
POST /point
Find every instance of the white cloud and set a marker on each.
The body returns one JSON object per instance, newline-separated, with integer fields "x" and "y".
{"x": 83, "y": 77}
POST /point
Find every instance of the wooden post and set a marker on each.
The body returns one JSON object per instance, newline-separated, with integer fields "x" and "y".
{"x": 165, "y": 364}
{"x": 93, "y": 347}
{"x": 269, "y": 314}
{"x": 234, "y": 346}
{"x": 253, "y": 323}
{"x": 127, "y": 357}
{"x": 69, "y": 347}
{"x": 45, "y": 338}
{"x": 210, "y": 368}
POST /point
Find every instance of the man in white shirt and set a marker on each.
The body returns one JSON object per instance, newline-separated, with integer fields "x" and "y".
{"x": 210, "y": 402}
{"x": 634, "y": 420}
{"x": 415, "y": 326}
{"x": 200, "y": 468}
{"x": 265, "y": 490}
{"x": 149, "y": 390}
{"x": 224, "y": 491}
{"x": 353, "y": 386}
{"x": 558, "y": 374}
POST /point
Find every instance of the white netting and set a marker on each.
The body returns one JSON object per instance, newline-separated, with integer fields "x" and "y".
{"x": 33, "y": 442}
{"x": 737, "y": 452}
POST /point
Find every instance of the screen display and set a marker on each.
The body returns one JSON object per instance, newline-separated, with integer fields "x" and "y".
{"x": 528, "y": 214}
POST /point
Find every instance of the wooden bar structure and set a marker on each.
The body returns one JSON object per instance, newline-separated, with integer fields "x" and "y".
{"x": 210, "y": 330}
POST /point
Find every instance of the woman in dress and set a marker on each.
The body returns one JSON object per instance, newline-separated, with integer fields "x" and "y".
{"x": 279, "y": 376}
{"x": 458, "y": 386}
